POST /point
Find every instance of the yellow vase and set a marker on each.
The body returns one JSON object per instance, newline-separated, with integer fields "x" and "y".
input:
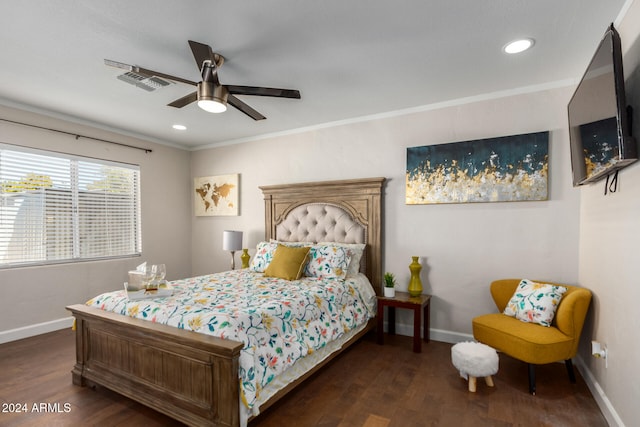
{"x": 415, "y": 284}
{"x": 245, "y": 257}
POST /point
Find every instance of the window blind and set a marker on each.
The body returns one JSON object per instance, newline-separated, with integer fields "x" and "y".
{"x": 62, "y": 208}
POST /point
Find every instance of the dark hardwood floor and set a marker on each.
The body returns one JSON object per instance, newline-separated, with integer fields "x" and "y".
{"x": 369, "y": 385}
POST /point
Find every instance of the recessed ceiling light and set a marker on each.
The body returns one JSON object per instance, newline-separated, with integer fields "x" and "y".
{"x": 179, "y": 127}
{"x": 518, "y": 46}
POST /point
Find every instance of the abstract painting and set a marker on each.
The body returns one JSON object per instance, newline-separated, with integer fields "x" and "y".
{"x": 502, "y": 169}
{"x": 216, "y": 195}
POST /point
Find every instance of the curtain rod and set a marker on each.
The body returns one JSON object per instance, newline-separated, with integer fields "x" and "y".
{"x": 78, "y": 136}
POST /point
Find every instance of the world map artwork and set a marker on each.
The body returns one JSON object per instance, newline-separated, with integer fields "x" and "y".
{"x": 216, "y": 195}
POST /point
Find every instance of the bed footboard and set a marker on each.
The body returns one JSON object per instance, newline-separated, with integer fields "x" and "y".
{"x": 188, "y": 376}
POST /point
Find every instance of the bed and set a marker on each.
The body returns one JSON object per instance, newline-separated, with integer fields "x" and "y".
{"x": 194, "y": 377}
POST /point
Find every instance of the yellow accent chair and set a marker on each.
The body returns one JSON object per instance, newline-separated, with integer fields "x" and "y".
{"x": 529, "y": 342}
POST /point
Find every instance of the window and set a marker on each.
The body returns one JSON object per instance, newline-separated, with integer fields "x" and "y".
{"x": 61, "y": 208}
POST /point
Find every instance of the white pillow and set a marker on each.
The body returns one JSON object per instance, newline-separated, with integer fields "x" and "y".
{"x": 535, "y": 302}
{"x": 292, "y": 244}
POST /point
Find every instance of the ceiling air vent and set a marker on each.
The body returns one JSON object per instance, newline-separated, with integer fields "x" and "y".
{"x": 147, "y": 83}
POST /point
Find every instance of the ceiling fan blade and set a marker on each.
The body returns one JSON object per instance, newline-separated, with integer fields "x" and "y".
{"x": 146, "y": 72}
{"x": 244, "y": 108}
{"x": 201, "y": 52}
{"x": 263, "y": 91}
{"x": 152, "y": 73}
{"x": 185, "y": 100}
{"x": 206, "y": 60}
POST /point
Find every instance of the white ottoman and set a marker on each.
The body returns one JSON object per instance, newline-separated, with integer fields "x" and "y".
{"x": 473, "y": 360}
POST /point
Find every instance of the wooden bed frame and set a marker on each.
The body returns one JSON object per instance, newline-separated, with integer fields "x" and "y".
{"x": 193, "y": 377}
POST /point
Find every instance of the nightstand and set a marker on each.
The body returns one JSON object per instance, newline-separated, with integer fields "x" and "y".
{"x": 420, "y": 307}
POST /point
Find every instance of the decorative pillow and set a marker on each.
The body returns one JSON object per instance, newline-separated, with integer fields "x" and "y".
{"x": 356, "y": 250}
{"x": 328, "y": 261}
{"x": 535, "y": 302}
{"x": 263, "y": 256}
{"x": 288, "y": 262}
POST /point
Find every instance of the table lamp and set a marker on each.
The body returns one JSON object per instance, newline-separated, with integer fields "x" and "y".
{"x": 232, "y": 241}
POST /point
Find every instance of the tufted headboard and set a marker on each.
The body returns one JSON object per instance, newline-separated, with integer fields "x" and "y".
{"x": 348, "y": 211}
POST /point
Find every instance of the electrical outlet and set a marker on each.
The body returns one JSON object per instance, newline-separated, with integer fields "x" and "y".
{"x": 599, "y": 351}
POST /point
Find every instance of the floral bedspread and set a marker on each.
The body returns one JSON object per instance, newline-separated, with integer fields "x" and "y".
{"x": 278, "y": 321}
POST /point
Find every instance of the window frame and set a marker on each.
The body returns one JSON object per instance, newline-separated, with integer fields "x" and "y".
{"x": 126, "y": 198}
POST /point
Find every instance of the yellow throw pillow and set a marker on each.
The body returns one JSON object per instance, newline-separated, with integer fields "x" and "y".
{"x": 288, "y": 262}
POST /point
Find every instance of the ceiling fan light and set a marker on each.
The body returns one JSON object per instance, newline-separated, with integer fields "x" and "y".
{"x": 212, "y": 106}
{"x": 212, "y": 98}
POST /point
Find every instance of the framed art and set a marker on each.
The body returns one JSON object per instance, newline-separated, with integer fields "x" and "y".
{"x": 503, "y": 169}
{"x": 216, "y": 195}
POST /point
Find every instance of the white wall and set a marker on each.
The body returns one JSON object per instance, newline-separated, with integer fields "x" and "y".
{"x": 609, "y": 244}
{"x": 463, "y": 246}
{"x": 36, "y": 295}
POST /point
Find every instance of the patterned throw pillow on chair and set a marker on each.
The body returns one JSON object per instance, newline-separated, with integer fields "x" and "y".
{"x": 535, "y": 302}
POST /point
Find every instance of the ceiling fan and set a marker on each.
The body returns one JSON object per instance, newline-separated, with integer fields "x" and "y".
{"x": 211, "y": 95}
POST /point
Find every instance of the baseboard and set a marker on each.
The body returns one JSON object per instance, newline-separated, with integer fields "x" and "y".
{"x": 609, "y": 412}
{"x": 434, "y": 334}
{"x": 449, "y": 337}
{"x": 33, "y": 330}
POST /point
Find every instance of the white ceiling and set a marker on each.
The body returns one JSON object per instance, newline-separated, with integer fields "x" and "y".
{"x": 349, "y": 59}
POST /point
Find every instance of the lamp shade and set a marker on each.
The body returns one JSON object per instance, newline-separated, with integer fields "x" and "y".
{"x": 231, "y": 240}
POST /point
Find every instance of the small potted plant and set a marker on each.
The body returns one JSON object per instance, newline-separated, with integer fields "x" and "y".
{"x": 389, "y": 285}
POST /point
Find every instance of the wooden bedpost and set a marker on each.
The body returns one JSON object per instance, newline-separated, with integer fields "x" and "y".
{"x": 76, "y": 373}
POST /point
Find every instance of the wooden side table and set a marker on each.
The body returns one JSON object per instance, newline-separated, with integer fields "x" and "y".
{"x": 420, "y": 307}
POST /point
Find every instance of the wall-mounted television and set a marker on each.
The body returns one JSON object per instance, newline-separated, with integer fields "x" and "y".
{"x": 599, "y": 123}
